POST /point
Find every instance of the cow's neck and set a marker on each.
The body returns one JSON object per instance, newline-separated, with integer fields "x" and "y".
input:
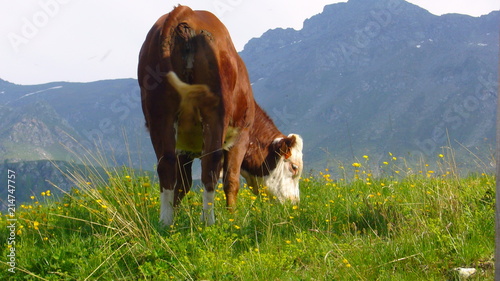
{"x": 261, "y": 156}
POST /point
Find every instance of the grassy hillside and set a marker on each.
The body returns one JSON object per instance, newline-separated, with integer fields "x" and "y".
{"x": 410, "y": 224}
{"x": 34, "y": 177}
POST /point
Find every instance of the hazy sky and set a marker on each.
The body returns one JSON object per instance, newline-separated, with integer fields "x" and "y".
{"x": 87, "y": 40}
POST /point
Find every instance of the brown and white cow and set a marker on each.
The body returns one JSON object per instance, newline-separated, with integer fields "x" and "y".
{"x": 198, "y": 103}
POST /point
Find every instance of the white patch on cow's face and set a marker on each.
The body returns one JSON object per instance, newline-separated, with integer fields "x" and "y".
{"x": 283, "y": 181}
{"x": 207, "y": 215}
{"x": 167, "y": 207}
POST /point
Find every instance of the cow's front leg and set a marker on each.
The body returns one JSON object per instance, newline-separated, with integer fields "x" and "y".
{"x": 184, "y": 177}
{"x": 232, "y": 167}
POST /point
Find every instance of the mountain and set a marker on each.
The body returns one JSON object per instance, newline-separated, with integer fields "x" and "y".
{"x": 378, "y": 76}
{"x": 72, "y": 121}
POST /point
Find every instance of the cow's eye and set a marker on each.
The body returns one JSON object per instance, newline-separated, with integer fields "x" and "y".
{"x": 294, "y": 168}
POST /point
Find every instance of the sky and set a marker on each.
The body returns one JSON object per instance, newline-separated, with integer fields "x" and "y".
{"x": 44, "y": 41}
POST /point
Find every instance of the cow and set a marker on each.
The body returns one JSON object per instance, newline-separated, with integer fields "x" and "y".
{"x": 198, "y": 103}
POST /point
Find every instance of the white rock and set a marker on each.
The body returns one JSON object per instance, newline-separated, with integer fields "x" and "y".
{"x": 464, "y": 273}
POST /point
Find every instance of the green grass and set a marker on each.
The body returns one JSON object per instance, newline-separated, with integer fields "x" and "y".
{"x": 404, "y": 225}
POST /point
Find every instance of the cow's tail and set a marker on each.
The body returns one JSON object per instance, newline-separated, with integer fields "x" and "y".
{"x": 175, "y": 30}
{"x": 197, "y": 94}
{"x": 177, "y": 27}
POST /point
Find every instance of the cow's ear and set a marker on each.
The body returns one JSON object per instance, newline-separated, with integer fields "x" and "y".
{"x": 285, "y": 146}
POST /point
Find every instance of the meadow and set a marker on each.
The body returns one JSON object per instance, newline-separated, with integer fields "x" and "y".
{"x": 403, "y": 224}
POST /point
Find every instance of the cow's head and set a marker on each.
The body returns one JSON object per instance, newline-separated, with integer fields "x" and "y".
{"x": 283, "y": 181}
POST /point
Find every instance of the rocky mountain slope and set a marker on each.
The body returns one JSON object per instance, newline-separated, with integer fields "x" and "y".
{"x": 67, "y": 121}
{"x": 368, "y": 77}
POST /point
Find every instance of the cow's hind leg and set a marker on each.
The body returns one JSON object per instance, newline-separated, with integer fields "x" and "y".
{"x": 163, "y": 139}
{"x": 166, "y": 168}
{"x": 211, "y": 165}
